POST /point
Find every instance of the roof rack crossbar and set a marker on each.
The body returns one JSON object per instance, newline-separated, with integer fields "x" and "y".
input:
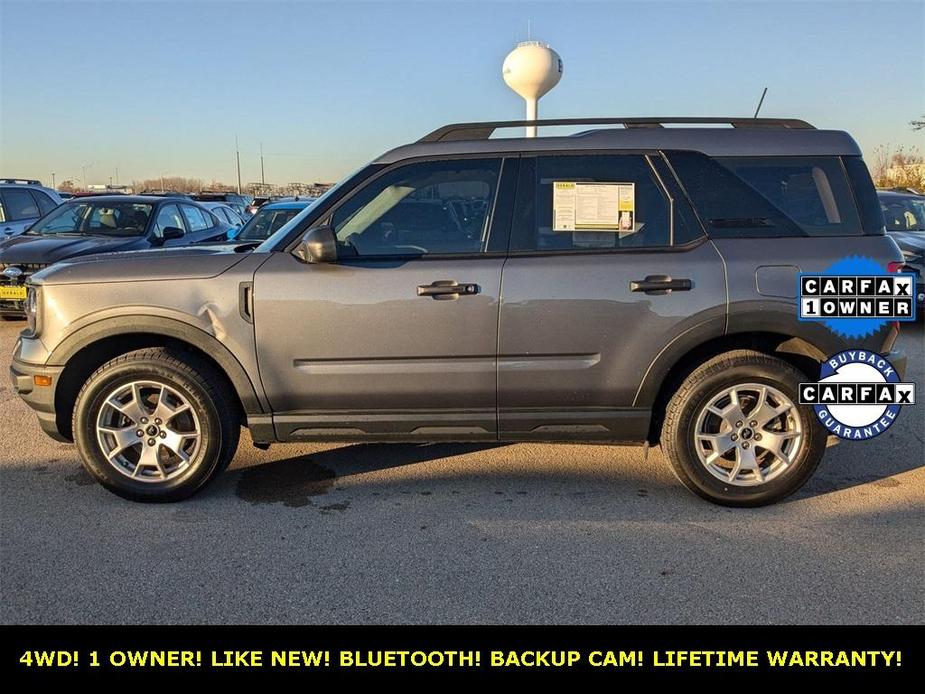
{"x": 21, "y": 181}
{"x": 483, "y": 131}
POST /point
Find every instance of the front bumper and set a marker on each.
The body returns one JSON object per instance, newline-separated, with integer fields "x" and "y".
{"x": 13, "y": 307}
{"x": 39, "y": 398}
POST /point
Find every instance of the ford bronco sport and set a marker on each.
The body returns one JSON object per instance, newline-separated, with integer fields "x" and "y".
{"x": 631, "y": 283}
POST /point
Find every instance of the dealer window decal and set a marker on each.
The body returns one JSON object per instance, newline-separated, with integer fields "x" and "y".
{"x": 584, "y": 206}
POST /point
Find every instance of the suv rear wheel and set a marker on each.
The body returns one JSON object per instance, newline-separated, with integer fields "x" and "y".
{"x": 735, "y": 435}
{"x": 150, "y": 427}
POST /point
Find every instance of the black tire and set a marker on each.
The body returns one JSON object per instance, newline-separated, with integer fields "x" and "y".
{"x": 201, "y": 386}
{"x": 698, "y": 389}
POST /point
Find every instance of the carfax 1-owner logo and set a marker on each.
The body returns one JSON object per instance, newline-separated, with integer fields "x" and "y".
{"x": 858, "y": 395}
{"x": 855, "y": 297}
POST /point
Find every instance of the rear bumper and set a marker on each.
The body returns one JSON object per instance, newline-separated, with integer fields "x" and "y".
{"x": 40, "y": 398}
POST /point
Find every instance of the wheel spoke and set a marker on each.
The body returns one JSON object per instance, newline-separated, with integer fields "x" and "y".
{"x": 746, "y": 458}
{"x": 733, "y": 413}
{"x": 175, "y": 440}
{"x": 775, "y": 441}
{"x": 149, "y": 458}
{"x": 734, "y": 472}
{"x": 767, "y": 413}
{"x": 720, "y": 443}
{"x": 125, "y": 437}
{"x": 164, "y": 411}
{"x": 133, "y": 409}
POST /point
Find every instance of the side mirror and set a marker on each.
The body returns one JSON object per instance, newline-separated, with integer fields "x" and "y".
{"x": 157, "y": 239}
{"x": 318, "y": 245}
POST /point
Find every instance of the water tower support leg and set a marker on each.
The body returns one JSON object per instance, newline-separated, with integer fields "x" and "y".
{"x": 530, "y": 130}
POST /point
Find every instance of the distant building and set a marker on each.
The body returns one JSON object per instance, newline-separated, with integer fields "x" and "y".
{"x": 101, "y": 188}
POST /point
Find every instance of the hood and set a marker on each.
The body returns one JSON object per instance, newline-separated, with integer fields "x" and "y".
{"x": 185, "y": 262}
{"x": 48, "y": 249}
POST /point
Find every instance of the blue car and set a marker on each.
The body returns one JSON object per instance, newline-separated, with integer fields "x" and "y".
{"x": 100, "y": 224}
{"x": 268, "y": 219}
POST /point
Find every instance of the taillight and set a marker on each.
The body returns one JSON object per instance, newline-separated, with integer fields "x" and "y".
{"x": 895, "y": 266}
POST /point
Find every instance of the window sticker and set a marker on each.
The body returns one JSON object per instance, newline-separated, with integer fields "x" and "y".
{"x": 594, "y": 207}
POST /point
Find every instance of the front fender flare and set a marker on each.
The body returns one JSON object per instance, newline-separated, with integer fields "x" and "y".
{"x": 169, "y": 327}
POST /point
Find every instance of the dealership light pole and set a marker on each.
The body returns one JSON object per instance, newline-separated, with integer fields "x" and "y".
{"x": 52, "y": 179}
{"x": 84, "y": 170}
{"x": 237, "y": 158}
{"x": 263, "y": 180}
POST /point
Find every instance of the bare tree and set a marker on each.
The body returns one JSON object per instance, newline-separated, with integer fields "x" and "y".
{"x": 898, "y": 168}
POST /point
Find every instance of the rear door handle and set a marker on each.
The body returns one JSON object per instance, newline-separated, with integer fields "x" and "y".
{"x": 660, "y": 284}
{"x": 447, "y": 289}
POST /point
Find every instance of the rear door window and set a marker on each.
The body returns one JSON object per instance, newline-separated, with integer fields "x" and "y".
{"x": 45, "y": 203}
{"x": 196, "y": 219}
{"x": 19, "y": 205}
{"x": 591, "y": 202}
{"x": 169, "y": 216}
{"x": 811, "y": 191}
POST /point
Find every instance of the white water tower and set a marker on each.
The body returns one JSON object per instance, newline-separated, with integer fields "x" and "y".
{"x": 531, "y": 70}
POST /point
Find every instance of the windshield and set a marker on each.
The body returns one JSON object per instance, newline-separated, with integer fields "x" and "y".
{"x": 95, "y": 219}
{"x": 904, "y": 214}
{"x": 264, "y": 223}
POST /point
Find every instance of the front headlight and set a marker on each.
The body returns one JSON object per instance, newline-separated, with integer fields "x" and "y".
{"x": 33, "y": 307}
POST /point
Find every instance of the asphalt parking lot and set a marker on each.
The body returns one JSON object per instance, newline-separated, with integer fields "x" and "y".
{"x": 460, "y": 534}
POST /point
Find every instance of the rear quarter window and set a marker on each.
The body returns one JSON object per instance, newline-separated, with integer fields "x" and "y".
{"x": 812, "y": 191}
{"x": 753, "y": 197}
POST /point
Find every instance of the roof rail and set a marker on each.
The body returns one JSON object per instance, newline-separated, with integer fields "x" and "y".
{"x": 20, "y": 181}
{"x": 483, "y": 131}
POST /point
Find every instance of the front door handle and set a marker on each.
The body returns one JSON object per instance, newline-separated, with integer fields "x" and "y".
{"x": 660, "y": 284}
{"x": 444, "y": 290}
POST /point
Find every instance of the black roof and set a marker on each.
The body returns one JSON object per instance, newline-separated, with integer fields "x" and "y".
{"x": 713, "y": 136}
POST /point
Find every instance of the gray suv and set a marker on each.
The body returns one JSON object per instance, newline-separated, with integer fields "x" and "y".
{"x": 631, "y": 284}
{"x": 22, "y": 201}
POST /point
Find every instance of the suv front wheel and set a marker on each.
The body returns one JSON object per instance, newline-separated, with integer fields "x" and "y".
{"x": 735, "y": 434}
{"x": 152, "y": 427}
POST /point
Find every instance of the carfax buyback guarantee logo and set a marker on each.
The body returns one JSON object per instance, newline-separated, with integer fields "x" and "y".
{"x": 858, "y": 395}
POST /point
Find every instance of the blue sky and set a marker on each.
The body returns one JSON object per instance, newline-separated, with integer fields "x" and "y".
{"x": 157, "y": 88}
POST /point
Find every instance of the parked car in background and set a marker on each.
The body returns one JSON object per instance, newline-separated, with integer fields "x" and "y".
{"x": 256, "y": 203}
{"x": 904, "y": 217}
{"x": 225, "y": 214}
{"x": 235, "y": 201}
{"x": 22, "y": 201}
{"x": 100, "y": 224}
{"x": 269, "y": 218}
